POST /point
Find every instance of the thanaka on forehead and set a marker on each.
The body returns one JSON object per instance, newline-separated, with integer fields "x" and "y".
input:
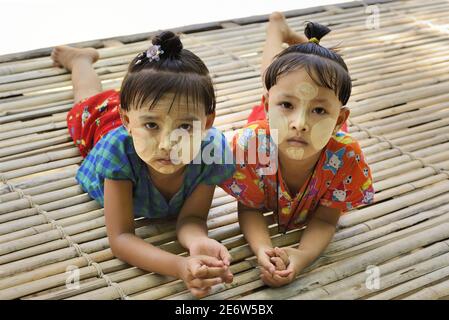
{"x": 300, "y": 82}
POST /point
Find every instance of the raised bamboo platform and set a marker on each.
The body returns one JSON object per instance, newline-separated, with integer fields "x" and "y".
{"x": 400, "y": 115}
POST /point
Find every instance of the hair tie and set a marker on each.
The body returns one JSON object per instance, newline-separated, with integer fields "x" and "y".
{"x": 152, "y": 54}
{"x": 314, "y": 40}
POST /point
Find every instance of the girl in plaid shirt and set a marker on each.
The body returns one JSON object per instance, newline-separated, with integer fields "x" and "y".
{"x": 134, "y": 167}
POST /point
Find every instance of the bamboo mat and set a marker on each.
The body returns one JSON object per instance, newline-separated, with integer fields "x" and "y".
{"x": 399, "y": 114}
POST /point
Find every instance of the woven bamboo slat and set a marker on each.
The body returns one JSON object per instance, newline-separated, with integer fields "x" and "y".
{"x": 399, "y": 115}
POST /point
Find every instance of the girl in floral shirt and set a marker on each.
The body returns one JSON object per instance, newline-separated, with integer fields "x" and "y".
{"x": 295, "y": 161}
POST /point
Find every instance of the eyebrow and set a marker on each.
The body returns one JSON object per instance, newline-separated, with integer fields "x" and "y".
{"x": 289, "y": 96}
{"x": 148, "y": 117}
{"x": 189, "y": 118}
{"x": 186, "y": 118}
{"x": 321, "y": 100}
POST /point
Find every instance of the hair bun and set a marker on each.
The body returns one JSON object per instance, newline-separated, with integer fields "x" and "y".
{"x": 169, "y": 42}
{"x": 315, "y": 30}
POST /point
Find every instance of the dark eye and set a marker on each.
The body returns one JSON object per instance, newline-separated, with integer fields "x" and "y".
{"x": 319, "y": 110}
{"x": 185, "y": 126}
{"x": 286, "y": 105}
{"x": 151, "y": 125}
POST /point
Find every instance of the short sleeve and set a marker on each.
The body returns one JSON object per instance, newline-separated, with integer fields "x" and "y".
{"x": 352, "y": 185}
{"x": 246, "y": 185}
{"x": 219, "y": 164}
{"x": 216, "y": 174}
{"x": 110, "y": 158}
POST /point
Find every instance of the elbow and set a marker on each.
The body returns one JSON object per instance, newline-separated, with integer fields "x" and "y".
{"x": 117, "y": 246}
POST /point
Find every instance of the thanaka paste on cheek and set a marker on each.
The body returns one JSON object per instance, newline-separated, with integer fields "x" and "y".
{"x": 278, "y": 121}
{"x": 322, "y": 132}
{"x": 145, "y": 145}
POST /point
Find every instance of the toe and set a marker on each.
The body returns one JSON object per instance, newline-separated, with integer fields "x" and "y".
{"x": 276, "y": 16}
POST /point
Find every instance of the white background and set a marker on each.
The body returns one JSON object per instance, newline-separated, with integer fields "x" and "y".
{"x": 32, "y": 24}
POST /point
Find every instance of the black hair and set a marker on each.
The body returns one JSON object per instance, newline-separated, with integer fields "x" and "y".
{"x": 172, "y": 70}
{"x": 325, "y": 66}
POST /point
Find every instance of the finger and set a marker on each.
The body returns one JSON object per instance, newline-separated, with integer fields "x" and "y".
{"x": 283, "y": 273}
{"x": 211, "y": 261}
{"x": 210, "y": 272}
{"x": 205, "y": 283}
{"x": 225, "y": 256}
{"x": 281, "y": 280}
{"x": 199, "y": 293}
{"x": 270, "y": 252}
{"x": 287, "y": 279}
{"x": 282, "y": 254}
{"x": 266, "y": 263}
{"x": 288, "y": 272}
{"x": 278, "y": 262}
{"x": 268, "y": 280}
{"x": 229, "y": 277}
{"x": 274, "y": 280}
{"x": 275, "y": 261}
{"x": 262, "y": 269}
{"x": 195, "y": 268}
{"x": 266, "y": 273}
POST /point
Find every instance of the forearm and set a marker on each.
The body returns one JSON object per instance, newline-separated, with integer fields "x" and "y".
{"x": 191, "y": 229}
{"x": 254, "y": 227}
{"x": 315, "y": 239}
{"x": 136, "y": 252}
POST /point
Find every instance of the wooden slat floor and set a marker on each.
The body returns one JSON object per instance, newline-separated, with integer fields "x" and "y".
{"x": 399, "y": 114}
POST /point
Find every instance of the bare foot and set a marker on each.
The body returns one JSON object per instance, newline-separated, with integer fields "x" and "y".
{"x": 112, "y": 43}
{"x": 277, "y": 21}
{"x": 64, "y": 56}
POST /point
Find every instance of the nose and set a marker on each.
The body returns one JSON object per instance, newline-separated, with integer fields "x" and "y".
{"x": 299, "y": 121}
{"x": 164, "y": 141}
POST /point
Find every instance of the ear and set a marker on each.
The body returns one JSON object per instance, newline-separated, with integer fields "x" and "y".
{"x": 125, "y": 119}
{"x": 210, "y": 120}
{"x": 342, "y": 118}
{"x": 265, "y": 102}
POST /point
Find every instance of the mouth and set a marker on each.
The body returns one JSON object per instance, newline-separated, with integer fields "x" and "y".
{"x": 297, "y": 141}
{"x": 164, "y": 161}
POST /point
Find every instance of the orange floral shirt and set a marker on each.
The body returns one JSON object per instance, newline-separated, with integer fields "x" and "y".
{"x": 341, "y": 179}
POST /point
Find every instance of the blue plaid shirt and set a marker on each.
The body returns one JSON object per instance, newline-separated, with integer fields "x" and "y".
{"x": 114, "y": 157}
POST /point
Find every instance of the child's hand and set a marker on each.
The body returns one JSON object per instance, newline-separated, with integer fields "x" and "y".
{"x": 213, "y": 248}
{"x": 264, "y": 255}
{"x": 280, "y": 261}
{"x": 200, "y": 273}
{"x": 289, "y": 257}
{"x": 270, "y": 262}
